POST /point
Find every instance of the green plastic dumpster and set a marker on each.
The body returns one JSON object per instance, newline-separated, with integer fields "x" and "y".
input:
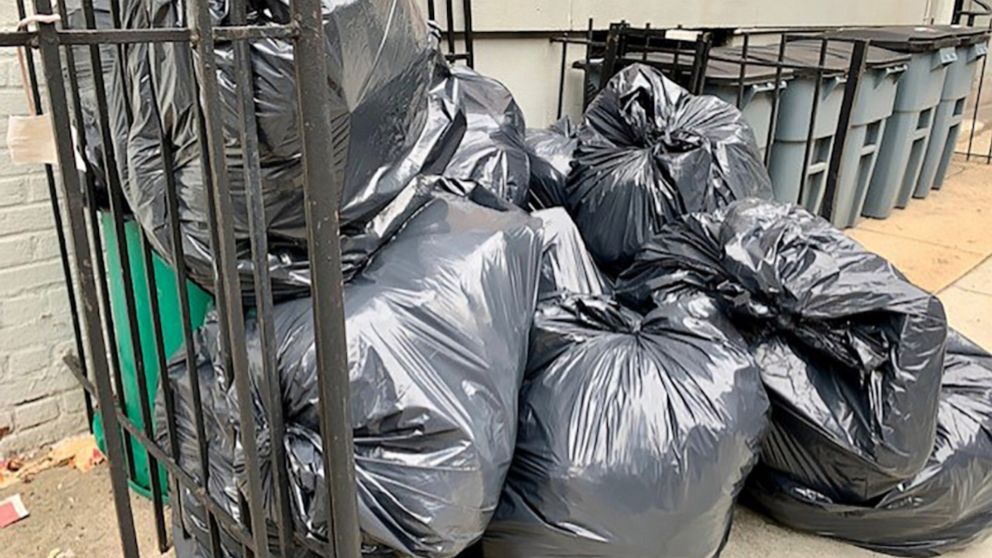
{"x": 907, "y": 133}
{"x": 971, "y": 49}
{"x": 168, "y": 299}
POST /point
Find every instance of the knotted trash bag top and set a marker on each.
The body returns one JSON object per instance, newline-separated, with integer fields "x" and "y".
{"x": 636, "y": 434}
{"x": 946, "y": 506}
{"x": 551, "y": 152}
{"x": 438, "y": 324}
{"x": 851, "y": 352}
{"x": 650, "y": 152}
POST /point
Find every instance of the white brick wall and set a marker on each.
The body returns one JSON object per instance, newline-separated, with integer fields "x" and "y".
{"x": 40, "y": 401}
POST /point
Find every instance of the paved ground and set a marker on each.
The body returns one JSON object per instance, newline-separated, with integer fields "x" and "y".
{"x": 944, "y": 244}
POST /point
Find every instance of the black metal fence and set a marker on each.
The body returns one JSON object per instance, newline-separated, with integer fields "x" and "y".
{"x": 976, "y": 13}
{"x": 60, "y": 47}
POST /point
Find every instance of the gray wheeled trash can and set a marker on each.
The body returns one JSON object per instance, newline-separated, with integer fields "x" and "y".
{"x": 794, "y": 119}
{"x": 973, "y": 47}
{"x": 723, "y": 80}
{"x": 907, "y": 132}
{"x": 872, "y": 108}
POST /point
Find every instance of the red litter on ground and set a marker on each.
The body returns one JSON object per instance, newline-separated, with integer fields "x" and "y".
{"x": 12, "y": 510}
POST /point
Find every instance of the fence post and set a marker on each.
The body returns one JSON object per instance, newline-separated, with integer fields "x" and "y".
{"x": 325, "y": 152}
{"x": 49, "y": 48}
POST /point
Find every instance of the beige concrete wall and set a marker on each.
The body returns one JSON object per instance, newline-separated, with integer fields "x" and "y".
{"x": 530, "y": 67}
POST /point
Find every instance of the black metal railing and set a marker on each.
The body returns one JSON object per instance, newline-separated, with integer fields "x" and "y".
{"x": 451, "y": 34}
{"x": 61, "y": 48}
{"x": 978, "y": 14}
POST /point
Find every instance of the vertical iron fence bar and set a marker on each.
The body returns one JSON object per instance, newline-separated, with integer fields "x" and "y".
{"x": 978, "y": 101}
{"x": 449, "y": 8}
{"x": 225, "y": 251}
{"x": 59, "y": 230}
{"x": 322, "y": 191}
{"x": 161, "y": 360}
{"x": 269, "y": 381}
{"x": 182, "y": 289}
{"x": 586, "y": 83}
{"x": 48, "y": 42}
{"x": 958, "y": 8}
{"x": 181, "y": 274}
{"x": 776, "y": 97}
{"x": 610, "y": 57}
{"x": 647, "y": 41}
{"x": 431, "y": 10}
{"x": 101, "y": 269}
{"x": 117, "y": 208}
{"x": 856, "y": 71}
{"x": 561, "y": 80}
{"x": 743, "y": 73}
{"x": 700, "y": 63}
{"x": 811, "y": 132}
{"x": 469, "y": 32}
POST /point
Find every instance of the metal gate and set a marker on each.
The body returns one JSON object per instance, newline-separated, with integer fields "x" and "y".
{"x": 48, "y": 36}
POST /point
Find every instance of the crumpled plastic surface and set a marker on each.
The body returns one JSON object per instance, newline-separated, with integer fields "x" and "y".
{"x": 382, "y": 65}
{"x": 566, "y": 264}
{"x": 493, "y": 150}
{"x": 946, "y": 506}
{"x": 551, "y": 154}
{"x": 438, "y": 325}
{"x": 851, "y": 352}
{"x": 650, "y": 152}
{"x": 636, "y": 433}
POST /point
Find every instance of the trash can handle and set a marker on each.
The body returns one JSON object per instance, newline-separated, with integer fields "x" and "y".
{"x": 945, "y": 56}
{"x": 978, "y": 51}
{"x": 898, "y": 69}
{"x": 833, "y": 82}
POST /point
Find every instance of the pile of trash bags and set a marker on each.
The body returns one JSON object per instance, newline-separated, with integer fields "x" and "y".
{"x": 438, "y": 325}
{"x": 583, "y": 341}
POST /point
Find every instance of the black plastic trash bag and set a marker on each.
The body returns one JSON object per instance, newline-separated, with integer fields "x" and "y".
{"x": 636, "y": 434}
{"x": 566, "y": 264}
{"x": 851, "y": 352}
{"x": 493, "y": 151}
{"x": 649, "y": 152}
{"x": 382, "y": 64}
{"x": 946, "y": 506}
{"x": 438, "y": 325}
{"x": 551, "y": 154}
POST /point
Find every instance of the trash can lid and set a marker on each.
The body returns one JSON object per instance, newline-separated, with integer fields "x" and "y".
{"x": 802, "y": 59}
{"x": 725, "y": 72}
{"x": 901, "y": 38}
{"x": 967, "y": 35}
{"x": 878, "y": 58}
